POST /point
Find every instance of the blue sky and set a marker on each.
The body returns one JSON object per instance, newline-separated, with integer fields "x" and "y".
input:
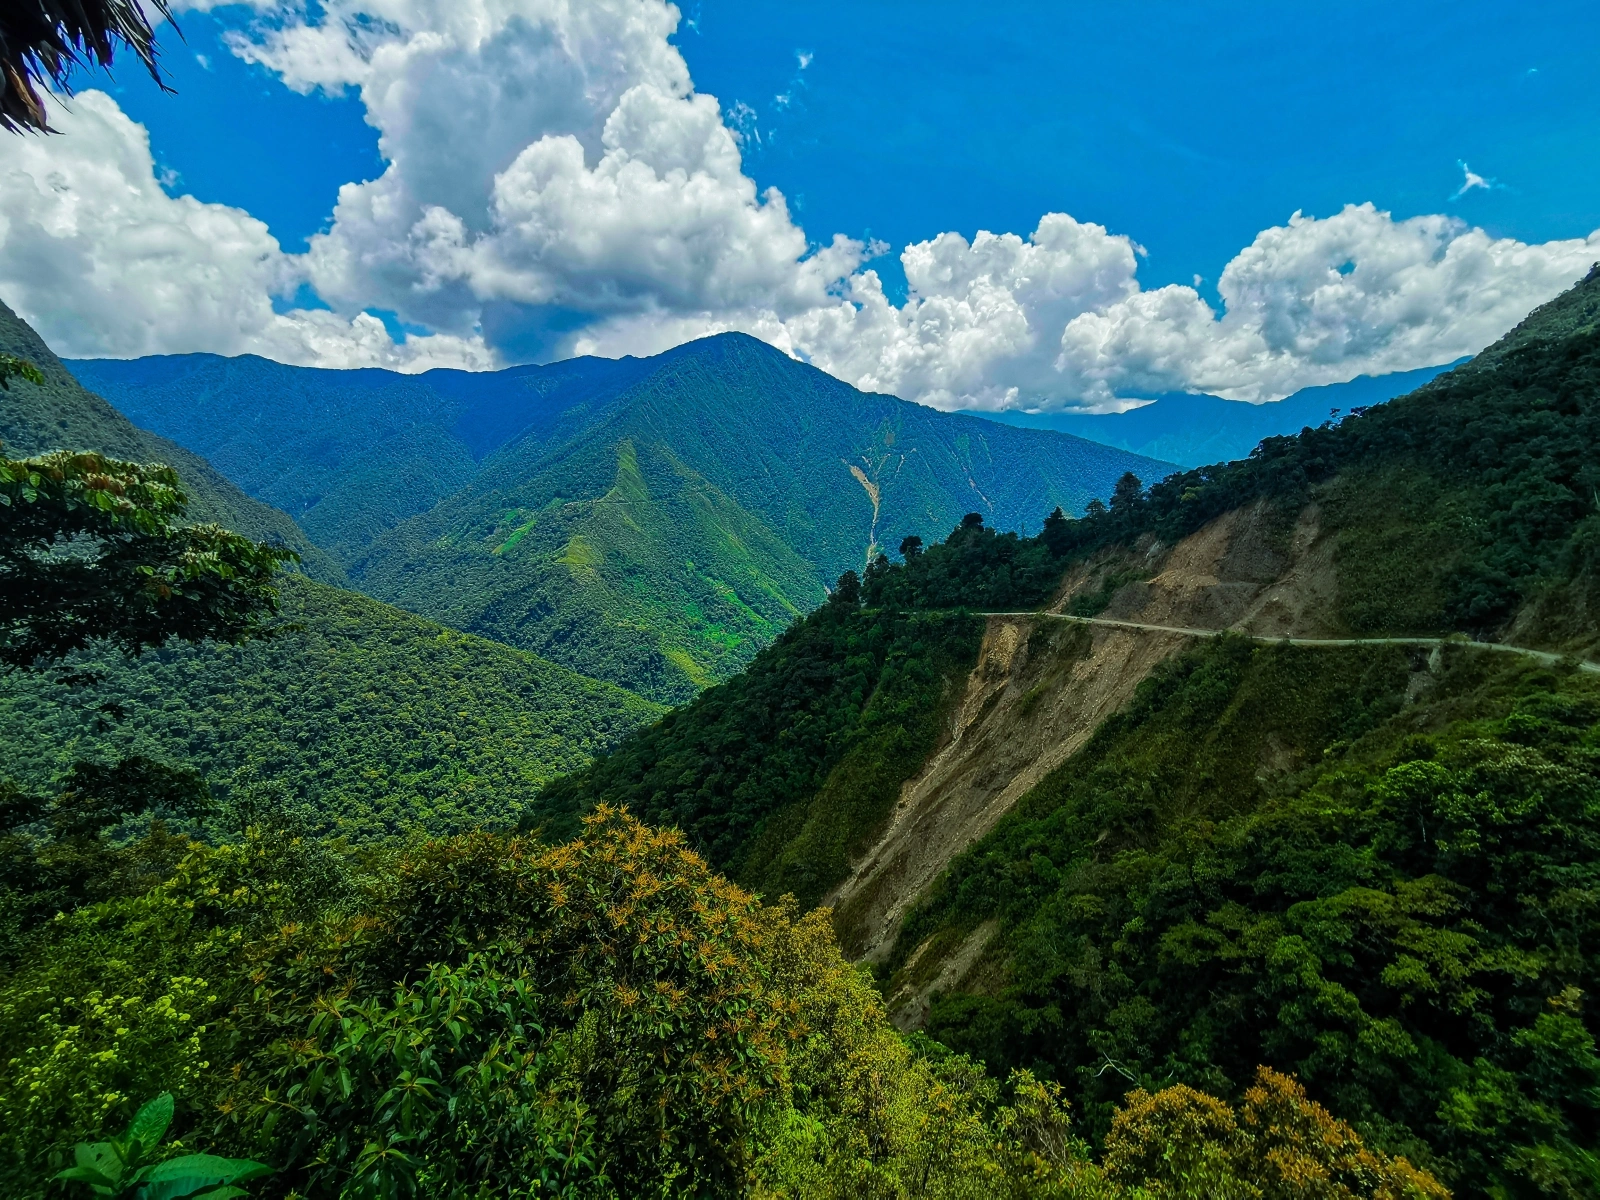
{"x": 1186, "y": 129}
{"x": 1187, "y": 126}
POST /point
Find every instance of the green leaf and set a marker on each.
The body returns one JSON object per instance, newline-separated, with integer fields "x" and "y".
{"x": 86, "y": 1175}
{"x": 193, "y": 1173}
{"x": 150, "y": 1123}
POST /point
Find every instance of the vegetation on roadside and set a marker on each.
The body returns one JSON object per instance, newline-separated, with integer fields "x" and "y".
{"x": 783, "y": 772}
{"x": 1270, "y": 857}
{"x": 484, "y": 1016}
{"x": 1457, "y": 505}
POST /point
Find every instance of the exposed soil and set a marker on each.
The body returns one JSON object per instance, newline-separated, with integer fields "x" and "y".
{"x": 1040, "y": 689}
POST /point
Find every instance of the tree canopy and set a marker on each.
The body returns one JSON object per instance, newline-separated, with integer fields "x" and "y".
{"x": 94, "y": 549}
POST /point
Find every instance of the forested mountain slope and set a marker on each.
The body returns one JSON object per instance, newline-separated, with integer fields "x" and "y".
{"x": 650, "y": 521}
{"x": 372, "y": 720}
{"x": 63, "y": 415}
{"x": 369, "y": 721}
{"x": 705, "y": 509}
{"x": 348, "y": 454}
{"x": 1122, "y": 856}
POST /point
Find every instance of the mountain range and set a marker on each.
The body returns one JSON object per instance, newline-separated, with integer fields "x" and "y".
{"x": 1191, "y": 429}
{"x": 1290, "y": 760}
{"x": 653, "y": 522}
{"x": 62, "y": 414}
{"x": 371, "y": 720}
{"x": 1284, "y": 764}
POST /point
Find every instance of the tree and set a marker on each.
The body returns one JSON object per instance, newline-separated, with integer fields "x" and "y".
{"x": 1127, "y": 495}
{"x": 58, "y": 853}
{"x": 847, "y": 590}
{"x": 1057, "y": 533}
{"x": 92, "y": 549}
{"x": 12, "y": 367}
{"x": 910, "y": 547}
{"x": 43, "y": 41}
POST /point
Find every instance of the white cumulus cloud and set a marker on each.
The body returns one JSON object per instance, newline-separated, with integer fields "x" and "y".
{"x": 541, "y": 154}
{"x": 95, "y": 252}
{"x": 1060, "y": 320}
{"x": 553, "y": 184}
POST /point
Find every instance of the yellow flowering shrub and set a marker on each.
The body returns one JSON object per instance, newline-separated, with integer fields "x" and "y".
{"x": 1279, "y": 1146}
{"x": 74, "y": 1062}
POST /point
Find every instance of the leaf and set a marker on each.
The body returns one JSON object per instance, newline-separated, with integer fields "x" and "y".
{"x": 151, "y": 1121}
{"x": 86, "y": 1175}
{"x": 193, "y": 1173}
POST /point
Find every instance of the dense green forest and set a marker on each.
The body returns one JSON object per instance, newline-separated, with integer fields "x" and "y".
{"x": 1296, "y": 922}
{"x": 1359, "y": 866}
{"x": 368, "y": 721}
{"x": 1269, "y": 857}
{"x": 480, "y": 1016}
{"x": 779, "y": 775}
{"x": 349, "y": 454}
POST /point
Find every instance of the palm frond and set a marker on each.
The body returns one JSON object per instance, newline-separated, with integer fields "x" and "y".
{"x": 43, "y": 41}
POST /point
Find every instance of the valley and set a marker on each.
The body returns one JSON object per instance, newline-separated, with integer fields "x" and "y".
{"x": 1283, "y": 763}
{"x": 1200, "y": 730}
{"x": 651, "y": 522}
{"x": 626, "y": 600}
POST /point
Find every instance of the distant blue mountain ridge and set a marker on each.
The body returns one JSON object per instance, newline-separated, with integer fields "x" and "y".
{"x": 1192, "y": 430}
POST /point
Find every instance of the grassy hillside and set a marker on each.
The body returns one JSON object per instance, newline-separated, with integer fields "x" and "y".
{"x": 63, "y": 415}
{"x": 374, "y": 721}
{"x": 618, "y": 559}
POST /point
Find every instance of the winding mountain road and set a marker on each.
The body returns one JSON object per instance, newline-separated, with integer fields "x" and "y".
{"x": 1544, "y": 656}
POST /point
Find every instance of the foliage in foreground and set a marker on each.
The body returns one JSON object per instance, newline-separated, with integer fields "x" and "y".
{"x": 489, "y": 1016}
{"x": 96, "y": 549}
{"x": 129, "y": 1166}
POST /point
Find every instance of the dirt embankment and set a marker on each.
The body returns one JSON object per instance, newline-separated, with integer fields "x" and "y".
{"x": 1040, "y": 688}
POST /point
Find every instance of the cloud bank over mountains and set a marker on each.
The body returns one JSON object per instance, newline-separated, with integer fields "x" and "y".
{"x": 555, "y": 185}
